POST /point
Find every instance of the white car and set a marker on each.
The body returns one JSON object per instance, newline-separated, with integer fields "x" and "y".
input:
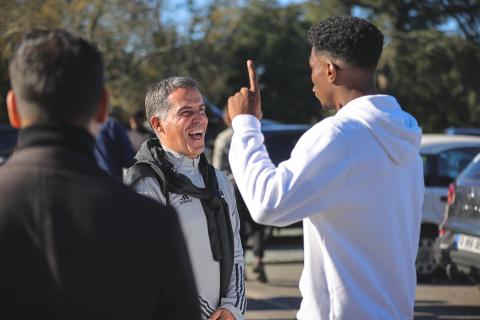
{"x": 444, "y": 157}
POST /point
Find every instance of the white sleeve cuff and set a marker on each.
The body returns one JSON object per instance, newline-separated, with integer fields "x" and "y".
{"x": 245, "y": 121}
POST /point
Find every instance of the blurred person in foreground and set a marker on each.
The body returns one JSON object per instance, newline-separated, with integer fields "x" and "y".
{"x": 355, "y": 179}
{"x": 173, "y": 169}
{"x": 74, "y": 243}
{"x": 248, "y": 227}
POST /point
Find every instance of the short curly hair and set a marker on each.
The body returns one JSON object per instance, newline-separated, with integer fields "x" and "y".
{"x": 350, "y": 39}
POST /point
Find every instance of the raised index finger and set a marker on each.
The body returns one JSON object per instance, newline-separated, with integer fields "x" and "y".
{"x": 252, "y": 75}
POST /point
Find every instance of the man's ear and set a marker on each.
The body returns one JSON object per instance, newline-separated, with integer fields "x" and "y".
{"x": 102, "y": 109}
{"x": 12, "y": 108}
{"x": 331, "y": 72}
{"x": 156, "y": 124}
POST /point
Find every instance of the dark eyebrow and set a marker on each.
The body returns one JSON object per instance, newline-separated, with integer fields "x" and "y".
{"x": 191, "y": 107}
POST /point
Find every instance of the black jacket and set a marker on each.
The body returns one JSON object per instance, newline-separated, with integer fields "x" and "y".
{"x": 75, "y": 244}
{"x": 151, "y": 161}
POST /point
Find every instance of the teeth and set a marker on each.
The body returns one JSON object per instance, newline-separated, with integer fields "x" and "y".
{"x": 196, "y": 131}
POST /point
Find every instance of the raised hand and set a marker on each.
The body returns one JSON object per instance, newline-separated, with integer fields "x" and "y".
{"x": 247, "y": 100}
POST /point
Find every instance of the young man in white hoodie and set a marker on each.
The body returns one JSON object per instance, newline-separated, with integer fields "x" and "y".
{"x": 355, "y": 179}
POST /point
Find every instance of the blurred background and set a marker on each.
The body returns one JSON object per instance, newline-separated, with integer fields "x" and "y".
{"x": 431, "y": 60}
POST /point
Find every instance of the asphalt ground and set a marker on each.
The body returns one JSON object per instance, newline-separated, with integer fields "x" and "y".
{"x": 279, "y": 298}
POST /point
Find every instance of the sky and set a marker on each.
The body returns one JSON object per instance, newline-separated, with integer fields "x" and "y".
{"x": 176, "y": 10}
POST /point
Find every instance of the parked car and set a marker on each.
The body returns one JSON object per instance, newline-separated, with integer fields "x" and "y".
{"x": 458, "y": 247}
{"x": 279, "y": 141}
{"x": 444, "y": 157}
{"x": 281, "y": 138}
{"x": 463, "y": 131}
{"x": 8, "y": 140}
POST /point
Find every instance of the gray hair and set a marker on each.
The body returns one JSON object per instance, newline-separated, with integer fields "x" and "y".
{"x": 156, "y": 98}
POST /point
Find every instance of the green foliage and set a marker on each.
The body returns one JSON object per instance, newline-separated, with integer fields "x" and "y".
{"x": 434, "y": 74}
{"x": 275, "y": 38}
{"x": 119, "y": 28}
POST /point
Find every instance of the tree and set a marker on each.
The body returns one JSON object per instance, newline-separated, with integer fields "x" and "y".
{"x": 433, "y": 73}
{"x": 408, "y": 15}
{"x": 275, "y": 38}
{"x": 121, "y": 29}
{"x": 434, "y": 76}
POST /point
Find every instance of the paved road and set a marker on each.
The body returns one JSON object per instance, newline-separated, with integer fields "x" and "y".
{"x": 280, "y": 298}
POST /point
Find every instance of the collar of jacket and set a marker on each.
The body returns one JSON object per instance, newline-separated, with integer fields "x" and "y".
{"x": 56, "y": 134}
{"x": 180, "y": 161}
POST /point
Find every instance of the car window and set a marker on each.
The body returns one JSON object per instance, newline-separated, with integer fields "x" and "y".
{"x": 472, "y": 171}
{"x": 452, "y": 162}
{"x": 426, "y": 165}
{"x": 280, "y": 145}
{"x": 441, "y": 169}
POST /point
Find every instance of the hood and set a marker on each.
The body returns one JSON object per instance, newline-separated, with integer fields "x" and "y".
{"x": 144, "y": 154}
{"x": 396, "y": 131}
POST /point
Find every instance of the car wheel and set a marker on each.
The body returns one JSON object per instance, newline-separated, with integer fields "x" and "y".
{"x": 426, "y": 265}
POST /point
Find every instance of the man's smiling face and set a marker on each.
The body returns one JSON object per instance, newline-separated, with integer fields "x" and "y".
{"x": 183, "y": 129}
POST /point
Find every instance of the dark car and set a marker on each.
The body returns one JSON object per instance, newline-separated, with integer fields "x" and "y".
{"x": 279, "y": 141}
{"x": 281, "y": 138}
{"x": 463, "y": 131}
{"x": 458, "y": 247}
{"x": 8, "y": 141}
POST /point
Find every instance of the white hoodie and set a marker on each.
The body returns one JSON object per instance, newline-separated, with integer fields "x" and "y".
{"x": 356, "y": 180}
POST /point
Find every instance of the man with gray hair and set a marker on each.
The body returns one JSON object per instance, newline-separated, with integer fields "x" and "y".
{"x": 173, "y": 170}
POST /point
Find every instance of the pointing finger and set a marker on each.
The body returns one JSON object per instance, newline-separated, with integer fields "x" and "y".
{"x": 252, "y": 75}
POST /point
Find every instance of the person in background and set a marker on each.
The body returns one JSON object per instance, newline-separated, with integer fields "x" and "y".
{"x": 173, "y": 169}
{"x": 75, "y": 243}
{"x": 355, "y": 179}
{"x": 249, "y": 228}
{"x": 137, "y": 133}
{"x": 113, "y": 149}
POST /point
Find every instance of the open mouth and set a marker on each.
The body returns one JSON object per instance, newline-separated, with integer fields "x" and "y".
{"x": 196, "y": 134}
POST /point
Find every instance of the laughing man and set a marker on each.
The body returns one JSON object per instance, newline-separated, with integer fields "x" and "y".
{"x": 173, "y": 170}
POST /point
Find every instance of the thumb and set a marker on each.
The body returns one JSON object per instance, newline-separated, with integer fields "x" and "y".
{"x": 216, "y": 315}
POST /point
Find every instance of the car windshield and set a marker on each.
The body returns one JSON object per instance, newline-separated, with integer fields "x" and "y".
{"x": 442, "y": 168}
{"x": 472, "y": 171}
{"x": 452, "y": 162}
{"x": 280, "y": 144}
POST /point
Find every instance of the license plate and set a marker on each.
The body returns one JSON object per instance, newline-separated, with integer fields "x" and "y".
{"x": 468, "y": 243}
